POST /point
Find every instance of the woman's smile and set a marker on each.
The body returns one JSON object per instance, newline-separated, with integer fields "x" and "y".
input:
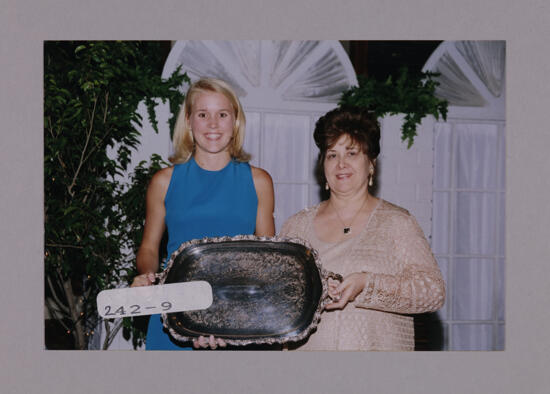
{"x": 346, "y": 167}
{"x": 212, "y": 122}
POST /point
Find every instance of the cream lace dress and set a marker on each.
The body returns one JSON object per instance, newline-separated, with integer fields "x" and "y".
{"x": 403, "y": 278}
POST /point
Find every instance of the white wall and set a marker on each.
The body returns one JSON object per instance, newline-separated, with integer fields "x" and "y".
{"x": 404, "y": 175}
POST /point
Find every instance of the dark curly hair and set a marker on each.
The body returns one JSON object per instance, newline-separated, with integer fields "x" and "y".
{"x": 358, "y": 123}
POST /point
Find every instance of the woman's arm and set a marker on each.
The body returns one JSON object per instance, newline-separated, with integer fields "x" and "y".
{"x": 265, "y": 224}
{"x": 418, "y": 288}
{"x": 147, "y": 260}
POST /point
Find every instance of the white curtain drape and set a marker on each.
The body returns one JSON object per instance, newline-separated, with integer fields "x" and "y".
{"x": 455, "y": 86}
{"x": 468, "y": 231}
{"x": 487, "y": 60}
{"x": 469, "y": 196}
{"x": 468, "y": 69}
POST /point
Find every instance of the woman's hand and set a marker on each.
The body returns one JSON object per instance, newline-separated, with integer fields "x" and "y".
{"x": 143, "y": 280}
{"x": 210, "y": 342}
{"x": 346, "y": 291}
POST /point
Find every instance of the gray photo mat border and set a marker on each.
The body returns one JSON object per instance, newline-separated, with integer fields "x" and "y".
{"x": 28, "y": 368}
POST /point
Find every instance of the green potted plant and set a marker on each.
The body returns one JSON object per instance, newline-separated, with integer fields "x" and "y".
{"x": 93, "y": 223}
{"x": 411, "y": 94}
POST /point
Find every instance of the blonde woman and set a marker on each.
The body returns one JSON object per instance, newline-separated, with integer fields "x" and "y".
{"x": 210, "y": 190}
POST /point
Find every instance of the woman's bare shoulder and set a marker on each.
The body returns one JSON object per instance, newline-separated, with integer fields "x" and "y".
{"x": 261, "y": 176}
{"x": 161, "y": 179}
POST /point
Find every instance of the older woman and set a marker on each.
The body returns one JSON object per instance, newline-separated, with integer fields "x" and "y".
{"x": 388, "y": 268}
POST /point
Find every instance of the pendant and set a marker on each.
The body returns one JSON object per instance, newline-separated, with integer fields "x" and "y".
{"x": 347, "y": 230}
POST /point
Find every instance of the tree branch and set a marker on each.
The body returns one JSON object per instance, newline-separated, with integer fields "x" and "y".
{"x": 100, "y": 142}
{"x": 74, "y": 313}
{"x": 51, "y": 128}
{"x": 64, "y": 246}
{"x": 54, "y": 312}
{"x": 82, "y": 160}
{"x": 111, "y": 334}
{"x": 58, "y": 302}
{"x": 106, "y": 106}
{"x": 107, "y": 133}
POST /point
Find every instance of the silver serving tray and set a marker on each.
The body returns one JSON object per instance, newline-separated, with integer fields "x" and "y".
{"x": 266, "y": 290}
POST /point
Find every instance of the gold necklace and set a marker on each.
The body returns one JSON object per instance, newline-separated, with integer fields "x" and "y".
{"x": 347, "y": 229}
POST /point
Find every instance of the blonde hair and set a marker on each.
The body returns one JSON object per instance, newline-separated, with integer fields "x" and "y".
{"x": 184, "y": 146}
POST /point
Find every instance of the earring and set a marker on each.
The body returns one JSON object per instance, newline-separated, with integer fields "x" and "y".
{"x": 326, "y": 186}
{"x": 371, "y": 176}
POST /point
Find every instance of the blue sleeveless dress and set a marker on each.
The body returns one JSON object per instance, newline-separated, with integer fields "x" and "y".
{"x": 201, "y": 203}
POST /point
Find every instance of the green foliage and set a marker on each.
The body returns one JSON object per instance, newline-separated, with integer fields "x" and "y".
{"x": 91, "y": 95}
{"x": 132, "y": 202}
{"x": 410, "y": 94}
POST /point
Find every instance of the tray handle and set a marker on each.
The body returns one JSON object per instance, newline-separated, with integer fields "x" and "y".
{"x": 159, "y": 276}
{"x": 333, "y": 275}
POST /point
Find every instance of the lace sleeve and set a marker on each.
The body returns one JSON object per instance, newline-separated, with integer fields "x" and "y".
{"x": 417, "y": 288}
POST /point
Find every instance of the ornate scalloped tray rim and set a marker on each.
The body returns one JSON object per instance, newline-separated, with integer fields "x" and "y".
{"x": 260, "y": 340}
